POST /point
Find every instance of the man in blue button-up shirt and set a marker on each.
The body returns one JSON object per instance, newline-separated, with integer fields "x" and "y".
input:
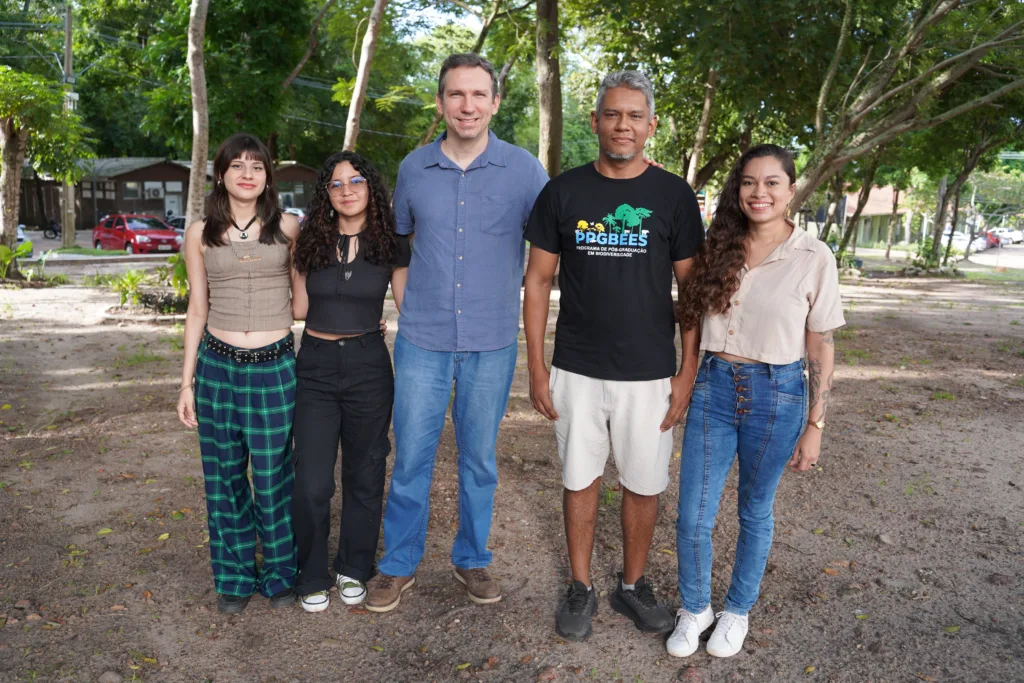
{"x": 465, "y": 199}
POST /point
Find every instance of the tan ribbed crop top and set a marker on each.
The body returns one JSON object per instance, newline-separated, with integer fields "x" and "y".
{"x": 250, "y": 286}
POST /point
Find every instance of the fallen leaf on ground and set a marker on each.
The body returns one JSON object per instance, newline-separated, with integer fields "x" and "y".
{"x": 951, "y": 629}
{"x": 377, "y": 648}
{"x": 146, "y": 595}
{"x": 104, "y": 531}
{"x": 830, "y": 571}
{"x": 810, "y": 669}
{"x": 492, "y": 662}
{"x": 925, "y": 677}
{"x": 818, "y": 532}
{"x": 177, "y": 516}
{"x": 163, "y": 537}
{"x": 548, "y": 674}
{"x": 464, "y": 665}
{"x": 144, "y": 551}
{"x": 116, "y": 608}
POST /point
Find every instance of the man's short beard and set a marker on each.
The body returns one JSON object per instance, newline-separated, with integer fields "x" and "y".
{"x": 620, "y": 157}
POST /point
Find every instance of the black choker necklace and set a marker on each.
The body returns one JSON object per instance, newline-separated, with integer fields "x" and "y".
{"x": 244, "y": 231}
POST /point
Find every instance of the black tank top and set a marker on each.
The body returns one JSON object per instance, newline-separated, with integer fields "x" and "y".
{"x": 348, "y": 298}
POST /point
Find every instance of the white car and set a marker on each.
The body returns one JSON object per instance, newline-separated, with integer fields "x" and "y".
{"x": 298, "y": 213}
{"x": 960, "y": 241}
{"x": 1015, "y": 236}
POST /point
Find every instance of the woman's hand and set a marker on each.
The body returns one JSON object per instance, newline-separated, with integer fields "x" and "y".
{"x": 187, "y": 408}
{"x": 808, "y": 450}
{"x": 384, "y": 325}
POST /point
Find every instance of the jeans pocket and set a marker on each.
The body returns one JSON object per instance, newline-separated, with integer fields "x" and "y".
{"x": 791, "y": 389}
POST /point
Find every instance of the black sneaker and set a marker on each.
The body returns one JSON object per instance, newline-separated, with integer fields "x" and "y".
{"x": 285, "y": 598}
{"x": 642, "y": 607}
{"x": 232, "y": 604}
{"x": 573, "y": 619}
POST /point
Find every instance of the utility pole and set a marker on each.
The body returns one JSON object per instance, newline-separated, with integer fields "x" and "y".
{"x": 70, "y": 104}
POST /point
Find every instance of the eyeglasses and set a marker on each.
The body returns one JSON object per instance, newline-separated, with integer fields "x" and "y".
{"x": 337, "y": 187}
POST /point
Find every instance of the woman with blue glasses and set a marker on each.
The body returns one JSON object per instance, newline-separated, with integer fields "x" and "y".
{"x": 346, "y": 257}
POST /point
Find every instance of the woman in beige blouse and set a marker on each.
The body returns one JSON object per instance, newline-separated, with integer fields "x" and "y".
{"x": 763, "y": 294}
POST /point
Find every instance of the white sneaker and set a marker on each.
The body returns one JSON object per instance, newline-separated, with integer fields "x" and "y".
{"x": 684, "y": 639}
{"x": 316, "y": 602}
{"x": 728, "y": 636}
{"x": 352, "y": 592}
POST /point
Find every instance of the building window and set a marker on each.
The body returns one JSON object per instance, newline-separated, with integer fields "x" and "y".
{"x": 173, "y": 186}
{"x": 131, "y": 190}
{"x": 109, "y": 189}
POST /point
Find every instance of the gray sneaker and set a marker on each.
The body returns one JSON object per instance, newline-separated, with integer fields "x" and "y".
{"x": 573, "y": 619}
{"x": 642, "y": 607}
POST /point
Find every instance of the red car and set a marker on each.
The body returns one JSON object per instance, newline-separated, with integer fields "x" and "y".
{"x": 136, "y": 234}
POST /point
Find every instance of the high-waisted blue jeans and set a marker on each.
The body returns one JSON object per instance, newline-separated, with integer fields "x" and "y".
{"x": 754, "y": 411}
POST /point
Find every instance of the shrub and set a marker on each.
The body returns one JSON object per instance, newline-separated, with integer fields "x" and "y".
{"x": 128, "y": 286}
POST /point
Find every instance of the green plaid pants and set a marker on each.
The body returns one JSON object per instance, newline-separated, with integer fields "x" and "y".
{"x": 245, "y": 412}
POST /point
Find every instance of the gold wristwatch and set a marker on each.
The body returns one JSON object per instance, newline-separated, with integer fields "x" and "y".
{"x": 820, "y": 424}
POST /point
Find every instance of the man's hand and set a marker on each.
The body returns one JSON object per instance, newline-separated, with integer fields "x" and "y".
{"x": 681, "y": 390}
{"x": 540, "y": 392}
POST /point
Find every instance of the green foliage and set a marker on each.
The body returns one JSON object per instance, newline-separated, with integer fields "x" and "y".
{"x": 174, "y": 275}
{"x": 8, "y": 256}
{"x": 924, "y": 258}
{"x": 128, "y": 285}
{"x": 104, "y": 280}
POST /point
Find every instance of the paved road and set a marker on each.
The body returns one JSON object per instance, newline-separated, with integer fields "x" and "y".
{"x": 1011, "y": 256}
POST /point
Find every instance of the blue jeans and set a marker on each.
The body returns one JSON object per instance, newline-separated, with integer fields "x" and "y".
{"x": 755, "y": 411}
{"x": 423, "y": 390}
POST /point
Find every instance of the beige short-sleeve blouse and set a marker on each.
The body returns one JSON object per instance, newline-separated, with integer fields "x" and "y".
{"x": 793, "y": 290}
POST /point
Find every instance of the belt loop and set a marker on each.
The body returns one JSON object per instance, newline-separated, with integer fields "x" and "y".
{"x": 772, "y": 371}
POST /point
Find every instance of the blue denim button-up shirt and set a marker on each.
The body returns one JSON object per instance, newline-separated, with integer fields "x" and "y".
{"x": 467, "y": 254}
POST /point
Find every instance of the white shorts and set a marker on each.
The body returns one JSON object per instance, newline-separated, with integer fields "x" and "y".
{"x": 630, "y": 413}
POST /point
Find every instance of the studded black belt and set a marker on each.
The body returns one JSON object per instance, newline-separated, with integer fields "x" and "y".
{"x": 239, "y": 355}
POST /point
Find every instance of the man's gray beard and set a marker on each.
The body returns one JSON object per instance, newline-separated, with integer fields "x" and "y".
{"x": 621, "y": 157}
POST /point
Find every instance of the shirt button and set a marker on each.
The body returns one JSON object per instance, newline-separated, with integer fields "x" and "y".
{"x": 460, "y": 258}
{"x": 459, "y": 284}
{"x": 735, "y": 303}
{"x": 460, "y": 229}
{"x": 459, "y": 311}
{"x": 461, "y": 203}
{"x": 732, "y": 331}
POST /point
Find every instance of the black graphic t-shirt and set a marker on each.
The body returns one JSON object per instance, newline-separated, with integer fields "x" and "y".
{"x": 617, "y": 240}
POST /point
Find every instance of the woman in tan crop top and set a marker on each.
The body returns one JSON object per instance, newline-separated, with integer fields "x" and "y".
{"x": 238, "y": 379}
{"x": 762, "y": 294}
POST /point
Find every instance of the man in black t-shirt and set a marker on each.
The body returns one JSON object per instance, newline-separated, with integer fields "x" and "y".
{"x": 622, "y": 230}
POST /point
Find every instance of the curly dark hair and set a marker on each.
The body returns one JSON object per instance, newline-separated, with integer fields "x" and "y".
{"x": 717, "y": 264}
{"x": 318, "y": 239}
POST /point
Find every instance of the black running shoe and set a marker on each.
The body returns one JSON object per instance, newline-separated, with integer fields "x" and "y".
{"x": 232, "y": 604}
{"x": 642, "y": 607}
{"x": 285, "y": 598}
{"x": 573, "y": 619}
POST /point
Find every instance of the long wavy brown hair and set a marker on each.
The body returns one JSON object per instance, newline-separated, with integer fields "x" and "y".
{"x": 319, "y": 237}
{"x": 717, "y": 264}
{"x": 218, "y": 206}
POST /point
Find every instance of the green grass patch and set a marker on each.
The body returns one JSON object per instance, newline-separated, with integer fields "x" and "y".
{"x": 140, "y": 356}
{"x": 99, "y": 280}
{"x": 844, "y": 333}
{"x": 89, "y": 251}
{"x": 853, "y": 356}
{"x": 943, "y": 396}
{"x": 1014, "y": 275}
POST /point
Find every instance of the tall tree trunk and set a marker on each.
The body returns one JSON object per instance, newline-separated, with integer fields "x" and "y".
{"x": 893, "y": 217}
{"x": 355, "y": 107}
{"x": 549, "y": 83}
{"x": 702, "y": 128}
{"x": 833, "y": 207}
{"x": 272, "y": 145}
{"x": 481, "y": 36}
{"x": 13, "y": 141}
{"x": 952, "y": 231}
{"x": 503, "y": 76}
{"x": 200, "y": 112}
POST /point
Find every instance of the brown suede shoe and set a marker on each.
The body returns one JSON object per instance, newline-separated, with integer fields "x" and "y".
{"x": 482, "y": 589}
{"x": 385, "y": 592}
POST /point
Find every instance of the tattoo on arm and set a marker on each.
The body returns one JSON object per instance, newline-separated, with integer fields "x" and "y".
{"x": 827, "y": 338}
{"x": 819, "y": 390}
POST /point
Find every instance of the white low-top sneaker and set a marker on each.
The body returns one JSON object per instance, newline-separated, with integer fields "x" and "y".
{"x": 727, "y": 638}
{"x": 316, "y": 602}
{"x": 684, "y": 639}
{"x": 352, "y": 592}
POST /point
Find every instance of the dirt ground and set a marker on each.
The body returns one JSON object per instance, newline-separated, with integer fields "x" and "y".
{"x": 901, "y": 559}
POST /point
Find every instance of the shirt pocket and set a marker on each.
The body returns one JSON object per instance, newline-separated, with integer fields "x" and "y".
{"x": 494, "y": 215}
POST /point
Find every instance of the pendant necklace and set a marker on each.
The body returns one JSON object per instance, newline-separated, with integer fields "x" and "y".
{"x": 244, "y": 232}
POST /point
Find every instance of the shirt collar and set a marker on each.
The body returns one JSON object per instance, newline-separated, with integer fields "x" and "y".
{"x": 800, "y": 239}
{"x": 494, "y": 153}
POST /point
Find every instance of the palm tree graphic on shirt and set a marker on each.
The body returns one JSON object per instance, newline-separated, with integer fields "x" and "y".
{"x": 627, "y": 219}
